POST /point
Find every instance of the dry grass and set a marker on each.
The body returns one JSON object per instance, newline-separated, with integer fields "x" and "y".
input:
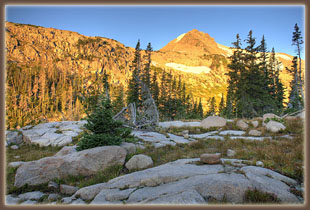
{"x": 30, "y": 152}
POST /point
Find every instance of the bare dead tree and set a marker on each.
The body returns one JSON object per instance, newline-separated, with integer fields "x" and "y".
{"x": 145, "y": 116}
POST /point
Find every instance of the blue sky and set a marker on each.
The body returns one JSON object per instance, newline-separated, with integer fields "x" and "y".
{"x": 161, "y": 24}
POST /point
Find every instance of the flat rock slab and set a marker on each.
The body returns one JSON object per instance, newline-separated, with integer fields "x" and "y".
{"x": 52, "y": 133}
{"x": 185, "y": 182}
{"x": 11, "y": 200}
{"x": 186, "y": 197}
{"x": 232, "y": 133}
{"x": 86, "y": 162}
{"x": 179, "y": 124}
{"x": 153, "y": 137}
{"x": 203, "y": 135}
{"x": 177, "y": 139}
{"x": 251, "y": 138}
{"x": 160, "y": 140}
{"x": 36, "y": 195}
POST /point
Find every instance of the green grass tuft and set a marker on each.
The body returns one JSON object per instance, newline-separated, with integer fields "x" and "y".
{"x": 256, "y": 196}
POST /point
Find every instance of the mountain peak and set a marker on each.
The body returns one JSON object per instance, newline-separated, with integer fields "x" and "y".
{"x": 193, "y": 41}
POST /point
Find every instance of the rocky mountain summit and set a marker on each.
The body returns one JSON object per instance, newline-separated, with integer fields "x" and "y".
{"x": 201, "y": 180}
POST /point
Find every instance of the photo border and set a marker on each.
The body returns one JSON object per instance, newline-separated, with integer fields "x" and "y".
{"x": 3, "y": 3}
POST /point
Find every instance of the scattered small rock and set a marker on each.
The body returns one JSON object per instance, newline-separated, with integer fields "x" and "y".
{"x": 15, "y": 164}
{"x": 78, "y": 202}
{"x": 231, "y": 153}
{"x": 17, "y": 156}
{"x": 12, "y": 200}
{"x": 129, "y": 147}
{"x": 14, "y": 147}
{"x": 274, "y": 126}
{"x": 270, "y": 116}
{"x": 259, "y": 163}
{"x": 53, "y": 197}
{"x": 67, "y": 200}
{"x": 210, "y": 158}
{"x": 13, "y": 137}
{"x": 53, "y": 186}
{"x": 36, "y": 195}
{"x": 186, "y": 136}
{"x": 67, "y": 189}
{"x": 242, "y": 125}
{"x": 140, "y": 146}
{"x": 89, "y": 192}
{"x": 254, "y": 123}
{"x": 139, "y": 162}
{"x": 213, "y": 121}
{"x": 185, "y": 132}
{"x": 255, "y": 133}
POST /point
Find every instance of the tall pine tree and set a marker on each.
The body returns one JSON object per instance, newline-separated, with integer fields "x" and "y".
{"x": 297, "y": 41}
{"x": 134, "y": 86}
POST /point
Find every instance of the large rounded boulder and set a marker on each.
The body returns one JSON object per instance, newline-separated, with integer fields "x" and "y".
{"x": 213, "y": 121}
{"x": 86, "y": 162}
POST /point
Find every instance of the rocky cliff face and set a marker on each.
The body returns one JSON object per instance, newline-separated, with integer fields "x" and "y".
{"x": 194, "y": 56}
{"x": 30, "y": 45}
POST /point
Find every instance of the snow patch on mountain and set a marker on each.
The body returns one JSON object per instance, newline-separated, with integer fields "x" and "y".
{"x": 180, "y": 37}
{"x": 189, "y": 69}
{"x": 229, "y": 51}
{"x": 283, "y": 56}
{"x": 154, "y": 63}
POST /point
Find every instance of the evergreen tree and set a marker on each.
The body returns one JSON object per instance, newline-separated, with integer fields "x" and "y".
{"x": 295, "y": 99}
{"x": 134, "y": 86}
{"x": 212, "y": 107}
{"x": 256, "y": 97}
{"x": 236, "y": 85}
{"x": 118, "y": 104}
{"x": 163, "y": 94}
{"x": 155, "y": 88}
{"x": 279, "y": 91}
{"x": 102, "y": 129}
{"x": 105, "y": 82}
{"x": 221, "y": 106}
{"x": 297, "y": 41}
{"x": 228, "y": 110}
{"x": 146, "y": 78}
{"x": 200, "y": 110}
{"x": 268, "y": 86}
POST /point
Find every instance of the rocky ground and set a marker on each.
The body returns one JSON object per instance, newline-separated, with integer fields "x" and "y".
{"x": 195, "y": 174}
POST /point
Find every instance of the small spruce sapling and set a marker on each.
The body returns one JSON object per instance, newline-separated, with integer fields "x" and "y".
{"x": 103, "y": 130}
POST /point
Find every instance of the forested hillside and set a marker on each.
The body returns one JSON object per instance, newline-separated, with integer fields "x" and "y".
{"x": 49, "y": 71}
